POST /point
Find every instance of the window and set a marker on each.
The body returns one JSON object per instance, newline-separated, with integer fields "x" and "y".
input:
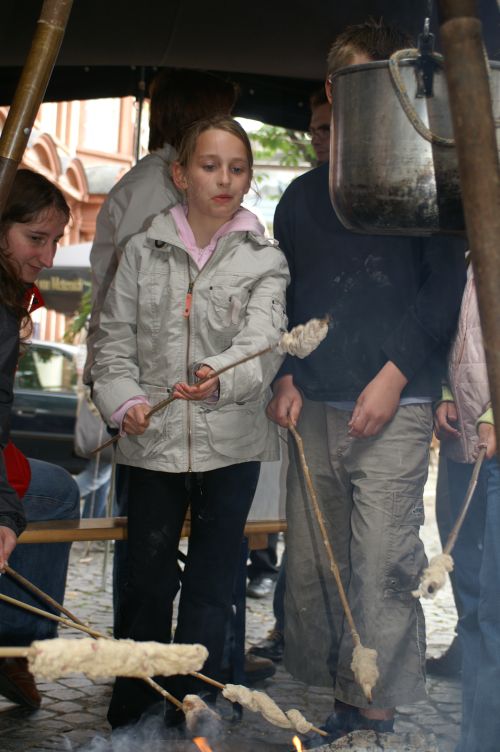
{"x": 46, "y": 369}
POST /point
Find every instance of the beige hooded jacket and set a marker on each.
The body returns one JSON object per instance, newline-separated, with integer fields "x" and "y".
{"x": 146, "y": 344}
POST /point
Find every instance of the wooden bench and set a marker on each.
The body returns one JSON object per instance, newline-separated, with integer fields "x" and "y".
{"x": 115, "y": 528}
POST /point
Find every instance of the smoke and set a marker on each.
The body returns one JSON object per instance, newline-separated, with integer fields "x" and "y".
{"x": 149, "y": 734}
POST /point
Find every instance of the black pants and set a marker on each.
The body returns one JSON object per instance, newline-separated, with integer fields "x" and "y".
{"x": 264, "y": 561}
{"x": 157, "y": 504}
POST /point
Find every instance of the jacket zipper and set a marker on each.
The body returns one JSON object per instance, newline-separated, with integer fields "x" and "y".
{"x": 187, "y": 315}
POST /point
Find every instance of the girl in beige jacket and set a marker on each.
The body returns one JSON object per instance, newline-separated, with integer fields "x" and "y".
{"x": 201, "y": 288}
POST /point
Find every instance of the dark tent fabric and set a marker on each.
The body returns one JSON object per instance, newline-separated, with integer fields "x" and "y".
{"x": 275, "y": 50}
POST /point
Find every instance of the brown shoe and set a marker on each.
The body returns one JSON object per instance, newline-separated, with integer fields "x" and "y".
{"x": 17, "y": 683}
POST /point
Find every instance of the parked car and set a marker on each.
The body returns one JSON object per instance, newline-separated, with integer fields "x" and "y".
{"x": 45, "y": 404}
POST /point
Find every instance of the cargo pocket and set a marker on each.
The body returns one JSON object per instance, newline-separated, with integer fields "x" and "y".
{"x": 405, "y": 558}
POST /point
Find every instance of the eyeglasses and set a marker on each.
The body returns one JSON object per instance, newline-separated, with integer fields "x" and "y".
{"x": 322, "y": 131}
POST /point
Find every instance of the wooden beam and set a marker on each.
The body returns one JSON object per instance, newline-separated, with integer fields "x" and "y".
{"x": 31, "y": 89}
{"x": 115, "y": 528}
{"x": 475, "y": 136}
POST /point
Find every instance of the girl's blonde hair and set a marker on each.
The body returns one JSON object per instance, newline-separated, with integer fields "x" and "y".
{"x": 187, "y": 146}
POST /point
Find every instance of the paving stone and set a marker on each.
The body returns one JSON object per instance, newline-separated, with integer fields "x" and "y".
{"x": 369, "y": 741}
{"x": 76, "y": 681}
{"x": 65, "y": 707}
{"x": 64, "y": 693}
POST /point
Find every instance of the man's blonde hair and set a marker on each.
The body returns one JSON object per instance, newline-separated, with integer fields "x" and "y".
{"x": 372, "y": 38}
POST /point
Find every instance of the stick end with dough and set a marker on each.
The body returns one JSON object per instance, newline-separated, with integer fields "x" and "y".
{"x": 200, "y": 719}
{"x": 364, "y": 668}
{"x": 434, "y": 576}
{"x": 304, "y": 338}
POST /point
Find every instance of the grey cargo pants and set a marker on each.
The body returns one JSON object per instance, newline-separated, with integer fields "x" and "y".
{"x": 371, "y": 495}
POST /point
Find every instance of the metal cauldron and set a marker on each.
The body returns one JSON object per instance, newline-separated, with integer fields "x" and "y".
{"x": 392, "y": 168}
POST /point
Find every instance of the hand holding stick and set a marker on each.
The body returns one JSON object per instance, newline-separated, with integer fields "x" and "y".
{"x": 434, "y": 576}
{"x": 39, "y": 656}
{"x": 92, "y": 632}
{"x": 364, "y": 660}
{"x": 300, "y": 342}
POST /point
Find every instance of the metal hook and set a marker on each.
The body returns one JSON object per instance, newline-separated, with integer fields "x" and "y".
{"x": 425, "y": 64}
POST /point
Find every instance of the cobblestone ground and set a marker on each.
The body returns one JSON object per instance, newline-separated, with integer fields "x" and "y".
{"x": 73, "y": 711}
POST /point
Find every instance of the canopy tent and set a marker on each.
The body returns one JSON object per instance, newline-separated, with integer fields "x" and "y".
{"x": 275, "y": 50}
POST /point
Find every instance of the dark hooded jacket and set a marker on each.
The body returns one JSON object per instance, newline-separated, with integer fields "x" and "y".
{"x": 390, "y": 298}
{"x": 11, "y": 509}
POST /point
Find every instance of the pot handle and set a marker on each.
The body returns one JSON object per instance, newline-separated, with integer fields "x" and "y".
{"x": 404, "y": 99}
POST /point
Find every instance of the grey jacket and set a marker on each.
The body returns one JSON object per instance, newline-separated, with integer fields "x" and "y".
{"x": 146, "y": 344}
{"x": 130, "y": 207}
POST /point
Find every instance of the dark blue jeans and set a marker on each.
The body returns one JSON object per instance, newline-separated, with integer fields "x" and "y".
{"x": 477, "y": 567}
{"x": 51, "y": 495}
{"x": 157, "y": 505}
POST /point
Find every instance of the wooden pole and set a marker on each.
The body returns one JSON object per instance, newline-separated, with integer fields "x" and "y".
{"x": 31, "y": 90}
{"x": 474, "y": 129}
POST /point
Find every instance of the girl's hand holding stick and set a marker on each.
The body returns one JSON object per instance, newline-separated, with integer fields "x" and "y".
{"x": 299, "y": 342}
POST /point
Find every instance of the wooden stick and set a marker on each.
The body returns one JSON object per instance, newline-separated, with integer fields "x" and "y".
{"x": 21, "y": 652}
{"x": 466, "y": 503}
{"x": 78, "y": 625}
{"x": 40, "y": 593}
{"x": 317, "y": 511}
{"x": 48, "y": 615}
{"x": 217, "y": 684}
{"x": 164, "y": 403}
{"x": 154, "y": 685}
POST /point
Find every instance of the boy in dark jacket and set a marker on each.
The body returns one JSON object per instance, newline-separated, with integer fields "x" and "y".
{"x": 362, "y": 403}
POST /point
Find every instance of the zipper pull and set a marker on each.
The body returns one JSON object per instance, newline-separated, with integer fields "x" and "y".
{"x": 188, "y": 301}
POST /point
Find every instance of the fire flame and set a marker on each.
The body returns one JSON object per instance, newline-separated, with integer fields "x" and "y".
{"x": 202, "y": 744}
{"x": 297, "y": 744}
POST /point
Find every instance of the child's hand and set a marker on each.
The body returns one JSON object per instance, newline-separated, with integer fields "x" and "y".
{"x": 378, "y": 402}
{"x": 286, "y": 404}
{"x": 8, "y": 542}
{"x": 486, "y": 435}
{"x": 196, "y": 391}
{"x": 444, "y": 417}
{"x": 135, "y": 421}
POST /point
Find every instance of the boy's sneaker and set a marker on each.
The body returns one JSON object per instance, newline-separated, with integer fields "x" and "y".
{"x": 337, "y": 724}
{"x": 272, "y": 647}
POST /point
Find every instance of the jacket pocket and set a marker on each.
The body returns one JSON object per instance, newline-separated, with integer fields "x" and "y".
{"x": 238, "y": 431}
{"x": 152, "y": 442}
{"x": 227, "y": 307}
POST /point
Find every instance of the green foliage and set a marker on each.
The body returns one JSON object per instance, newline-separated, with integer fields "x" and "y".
{"x": 81, "y": 317}
{"x": 287, "y": 147}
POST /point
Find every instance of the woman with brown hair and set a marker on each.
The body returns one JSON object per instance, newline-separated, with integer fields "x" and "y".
{"x": 32, "y": 224}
